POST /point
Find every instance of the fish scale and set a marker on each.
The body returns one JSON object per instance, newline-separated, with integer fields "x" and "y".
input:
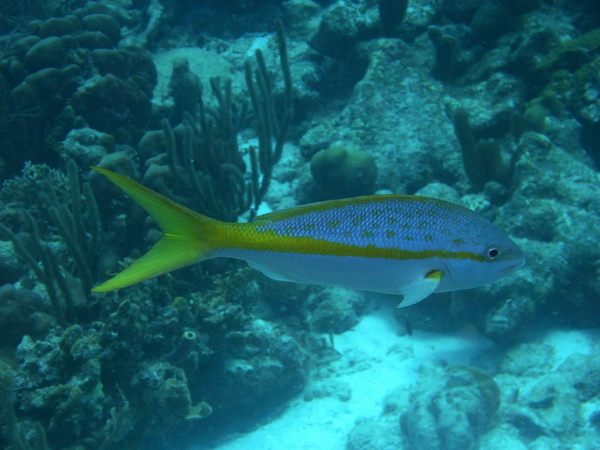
{"x": 392, "y": 221}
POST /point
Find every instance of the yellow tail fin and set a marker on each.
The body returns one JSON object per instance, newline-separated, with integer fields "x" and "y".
{"x": 185, "y": 239}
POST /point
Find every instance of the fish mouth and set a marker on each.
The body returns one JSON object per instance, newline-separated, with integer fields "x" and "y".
{"x": 513, "y": 267}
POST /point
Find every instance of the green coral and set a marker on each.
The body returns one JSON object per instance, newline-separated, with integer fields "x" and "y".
{"x": 580, "y": 80}
{"x": 538, "y": 109}
{"x": 341, "y": 173}
{"x": 482, "y": 159}
{"x": 571, "y": 50}
{"x": 572, "y": 88}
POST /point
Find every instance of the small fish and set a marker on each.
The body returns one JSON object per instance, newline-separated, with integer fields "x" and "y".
{"x": 408, "y": 326}
{"x": 396, "y": 244}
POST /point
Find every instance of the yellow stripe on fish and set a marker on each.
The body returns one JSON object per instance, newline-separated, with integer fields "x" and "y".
{"x": 399, "y": 244}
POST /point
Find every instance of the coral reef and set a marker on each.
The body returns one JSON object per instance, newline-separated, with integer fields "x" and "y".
{"x": 202, "y": 155}
{"x": 532, "y": 395}
{"x": 79, "y": 229}
{"x": 451, "y": 410}
{"x": 55, "y": 76}
{"x": 490, "y": 104}
{"x": 116, "y": 381}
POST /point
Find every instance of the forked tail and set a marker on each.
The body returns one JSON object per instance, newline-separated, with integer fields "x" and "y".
{"x": 184, "y": 241}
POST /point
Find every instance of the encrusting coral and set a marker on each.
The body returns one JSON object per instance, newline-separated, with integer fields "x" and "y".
{"x": 450, "y": 409}
{"x": 341, "y": 173}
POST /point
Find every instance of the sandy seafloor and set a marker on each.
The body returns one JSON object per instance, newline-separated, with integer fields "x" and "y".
{"x": 378, "y": 360}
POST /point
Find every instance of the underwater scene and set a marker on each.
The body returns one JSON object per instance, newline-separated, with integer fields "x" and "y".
{"x": 299, "y": 224}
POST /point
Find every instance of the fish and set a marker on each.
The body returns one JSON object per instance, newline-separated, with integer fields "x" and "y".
{"x": 408, "y": 326}
{"x": 394, "y": 244}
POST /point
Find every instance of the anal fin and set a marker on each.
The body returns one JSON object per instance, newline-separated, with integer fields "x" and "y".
{"x": 420, "y": 289}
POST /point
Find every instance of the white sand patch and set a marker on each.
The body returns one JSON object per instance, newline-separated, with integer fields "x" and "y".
{"x": 567, "y": 342}
{"x": 375, "y": 361}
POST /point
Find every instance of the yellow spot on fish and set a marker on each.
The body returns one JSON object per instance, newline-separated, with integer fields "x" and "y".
{"x": 367, "y": 234}
{"x": 289, "y": 230}
{"x": 458, "y": 241}
{"x": 347, "y": 234}
{"x": 333, "y": 223}
{"x": 390, "y": 233}
{"x": 309, "y": 227}
{"x": 392, "y": 220}
{"x": 377, "y": 212}
{"x": 428, "y": 238}
{"x": 408, "y": 238}
{"x": 435, "y": 275}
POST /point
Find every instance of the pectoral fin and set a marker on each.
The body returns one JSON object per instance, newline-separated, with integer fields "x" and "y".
{"x": 420, "y": 289}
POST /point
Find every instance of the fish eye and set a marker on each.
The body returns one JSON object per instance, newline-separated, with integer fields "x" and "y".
{"x": 493, "y": 252}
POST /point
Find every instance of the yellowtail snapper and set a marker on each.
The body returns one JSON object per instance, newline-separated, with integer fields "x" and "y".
{"x": 397, "y": 244}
